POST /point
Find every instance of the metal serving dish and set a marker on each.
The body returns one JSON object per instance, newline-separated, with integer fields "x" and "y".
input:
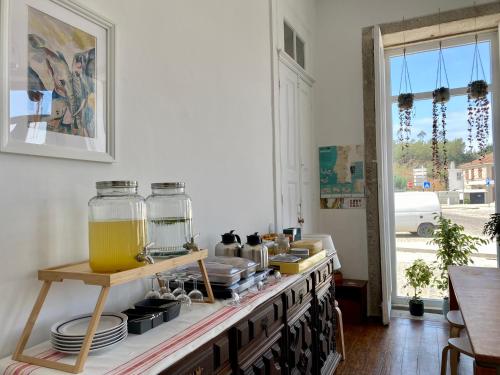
{"x": 248, "y": 266}
{"x": 218, "y": 273}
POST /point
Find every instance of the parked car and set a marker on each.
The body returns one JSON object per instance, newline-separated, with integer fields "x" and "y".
{"x": 416, "y": 212}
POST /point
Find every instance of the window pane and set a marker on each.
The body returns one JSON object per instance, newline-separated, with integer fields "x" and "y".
{"x": 289, "y": 44}
{"x": 468, "y": 200}
{"x": 423, "y": 67}
{"x": 301, "y": 59}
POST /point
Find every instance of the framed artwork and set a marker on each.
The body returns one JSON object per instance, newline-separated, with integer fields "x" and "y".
{"x": 57, "y": 77}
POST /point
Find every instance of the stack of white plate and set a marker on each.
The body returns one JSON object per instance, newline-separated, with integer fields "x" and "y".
{"x": 67, "y": 336}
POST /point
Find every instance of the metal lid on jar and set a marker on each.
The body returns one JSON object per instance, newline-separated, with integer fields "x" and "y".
{"x": 116, "y": 184}
{"x": 167, "y": 185}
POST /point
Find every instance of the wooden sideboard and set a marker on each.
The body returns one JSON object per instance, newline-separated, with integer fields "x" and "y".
{"x": 293, "y": 333}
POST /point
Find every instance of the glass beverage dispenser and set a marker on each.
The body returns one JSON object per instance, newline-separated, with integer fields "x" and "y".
{"x": 169, "y": 219}
{"x": 117, "y": 227}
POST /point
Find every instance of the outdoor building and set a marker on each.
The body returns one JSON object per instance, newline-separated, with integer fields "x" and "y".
{"x": 455, "y": 178}
{"x": 479, "y": 180}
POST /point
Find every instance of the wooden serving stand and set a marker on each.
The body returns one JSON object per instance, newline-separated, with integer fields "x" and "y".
{"x": 82, "y": 271}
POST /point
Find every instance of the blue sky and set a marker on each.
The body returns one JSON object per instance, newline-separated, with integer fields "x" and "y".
{"x": 423, "y": 69}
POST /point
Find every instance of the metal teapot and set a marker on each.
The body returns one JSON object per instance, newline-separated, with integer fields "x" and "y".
{"x": 255, "y": 250}
{"x": 230, "y": 245}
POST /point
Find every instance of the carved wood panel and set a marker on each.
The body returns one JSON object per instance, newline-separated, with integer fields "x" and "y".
{"x": 266, "y": 363}
{"x": 326, "y": 324}
{"x": 300, "y": 342}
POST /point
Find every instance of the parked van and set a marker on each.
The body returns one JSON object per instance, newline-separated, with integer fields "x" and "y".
{"x": 416, "y": 212}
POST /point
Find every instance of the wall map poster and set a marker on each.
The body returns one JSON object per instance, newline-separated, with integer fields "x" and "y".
{"x": 342, "y": 176}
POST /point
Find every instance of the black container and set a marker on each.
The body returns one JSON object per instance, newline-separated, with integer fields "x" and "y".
{"x": 416, "y": 307}
{"x": 140, "y": 322}
{"x": 219, "y": 291}
{"x": 170, "y": 309}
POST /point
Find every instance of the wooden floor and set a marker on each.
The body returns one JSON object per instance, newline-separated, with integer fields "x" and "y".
{"x": 405, "y": 347}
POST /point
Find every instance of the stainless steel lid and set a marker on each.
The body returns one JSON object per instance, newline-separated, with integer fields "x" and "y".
{"x": 116, "y": 184}
{"x": 167, "y": 185}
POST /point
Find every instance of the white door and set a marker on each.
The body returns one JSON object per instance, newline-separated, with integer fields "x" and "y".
{"x": 385, "y": 190}
{"x": 289, "y": 146}
{"x": 306, "y": 156}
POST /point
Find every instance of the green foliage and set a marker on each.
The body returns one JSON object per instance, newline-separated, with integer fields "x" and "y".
{"x": 492, "y": 227}
{"x": 400, "y": 182}
{"x": 419, "y": 152}
{"x": 455, "y": 248}
{"x": 418, "y": 276}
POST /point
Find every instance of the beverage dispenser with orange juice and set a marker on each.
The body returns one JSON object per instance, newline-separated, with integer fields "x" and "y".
{"x": 117, "y": 227}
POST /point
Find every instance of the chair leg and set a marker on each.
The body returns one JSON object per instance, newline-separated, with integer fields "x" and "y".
{"x": 340, "y": 325}
{"x": 454, "y": 332}
{"x": 454, "y": 361}
{"x": 444, "y": 359}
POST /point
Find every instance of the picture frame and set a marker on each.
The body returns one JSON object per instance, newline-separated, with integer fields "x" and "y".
{"x": 57, "y": 80}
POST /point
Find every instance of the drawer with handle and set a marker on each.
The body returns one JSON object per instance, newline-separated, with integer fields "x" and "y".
{"x": 298, "y": 294}
{"x": 261, "y": 324}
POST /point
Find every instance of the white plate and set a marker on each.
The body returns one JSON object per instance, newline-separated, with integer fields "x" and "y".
{"x": 96, "y": 336}
{"x": 102, "y": 336}
{"x": 95, "y": 341}
{"x": 77, "y": 325}
{"x": 93, "y": 346}
{"x": 75, "y": 350}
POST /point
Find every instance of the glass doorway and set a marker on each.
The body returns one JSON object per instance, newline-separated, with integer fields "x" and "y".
{"x": 467, "y": 195}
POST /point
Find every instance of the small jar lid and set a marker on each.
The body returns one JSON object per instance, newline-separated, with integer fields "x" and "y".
{"x": 167, "y": 185}
{"x": 116, "y": 184}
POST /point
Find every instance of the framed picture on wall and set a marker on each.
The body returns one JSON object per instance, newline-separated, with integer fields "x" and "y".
{"x": 57, "y": 77}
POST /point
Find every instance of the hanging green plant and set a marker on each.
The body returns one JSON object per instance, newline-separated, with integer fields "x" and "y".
{"x": 440, "y": 96}
{"x": 478, "y": 106}
{"x": 405, "y": 105}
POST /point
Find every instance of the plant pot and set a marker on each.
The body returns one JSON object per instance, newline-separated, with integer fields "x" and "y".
{"x": 441, "y": 95}
{"x": 416, "y": 307}
{"x": 405, "y": 101}
{"x": 477, "y": 89}
{"x": 446, "y": 305}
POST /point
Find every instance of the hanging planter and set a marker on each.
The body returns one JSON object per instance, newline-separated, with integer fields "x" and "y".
{"x": 440, "y": 96}
{"x": 405, "y": 104}
{"x": 478, "y": 106}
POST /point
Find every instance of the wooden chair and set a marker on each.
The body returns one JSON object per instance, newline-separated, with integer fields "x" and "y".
{"x": 456, "y": 322}
{"x": 340, "y": 329}
{"x": 457, "y": 345}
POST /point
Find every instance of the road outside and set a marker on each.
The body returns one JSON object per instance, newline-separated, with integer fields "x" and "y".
{"x": 410, "y": 247}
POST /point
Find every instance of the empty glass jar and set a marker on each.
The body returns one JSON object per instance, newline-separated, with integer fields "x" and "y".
{"x": 169, "y": 219}
{"x": 117, "y": 226}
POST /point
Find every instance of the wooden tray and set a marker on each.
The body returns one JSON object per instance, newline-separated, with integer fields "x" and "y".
{"x": 82, "y": 271}
{"x": 299, "y": 267}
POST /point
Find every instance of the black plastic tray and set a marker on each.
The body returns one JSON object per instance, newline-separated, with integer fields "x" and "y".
{"x": 137, "y": 325}
{"x": 170, "y": 309}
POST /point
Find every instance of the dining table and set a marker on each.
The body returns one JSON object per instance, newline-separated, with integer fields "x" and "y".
{"x": 476, "y": 292}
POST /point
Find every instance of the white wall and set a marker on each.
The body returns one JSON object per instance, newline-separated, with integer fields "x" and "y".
{"x": 339, "y": 93}
{"x": 192, "y": 104}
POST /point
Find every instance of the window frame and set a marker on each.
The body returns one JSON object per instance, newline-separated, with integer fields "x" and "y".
{"x": 389, "y": 52}
{"x": 296, "y": 36}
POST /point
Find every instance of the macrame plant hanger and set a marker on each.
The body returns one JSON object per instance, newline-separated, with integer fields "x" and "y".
{"x": 440, "y": 96}
{"x": 405, "y": 103}
{"x": 478, "y": 105}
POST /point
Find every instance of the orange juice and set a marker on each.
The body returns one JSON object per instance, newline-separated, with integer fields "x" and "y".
{"x": 113, "y": 245}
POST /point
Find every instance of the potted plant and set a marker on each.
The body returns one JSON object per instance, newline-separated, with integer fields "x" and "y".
{"x": 418, "y": 276}
{"x": 492, "y": 227}
{"x": 440, "y": 97}
{"x": 478, "y": 105}
{"x": 455, "y": 248}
